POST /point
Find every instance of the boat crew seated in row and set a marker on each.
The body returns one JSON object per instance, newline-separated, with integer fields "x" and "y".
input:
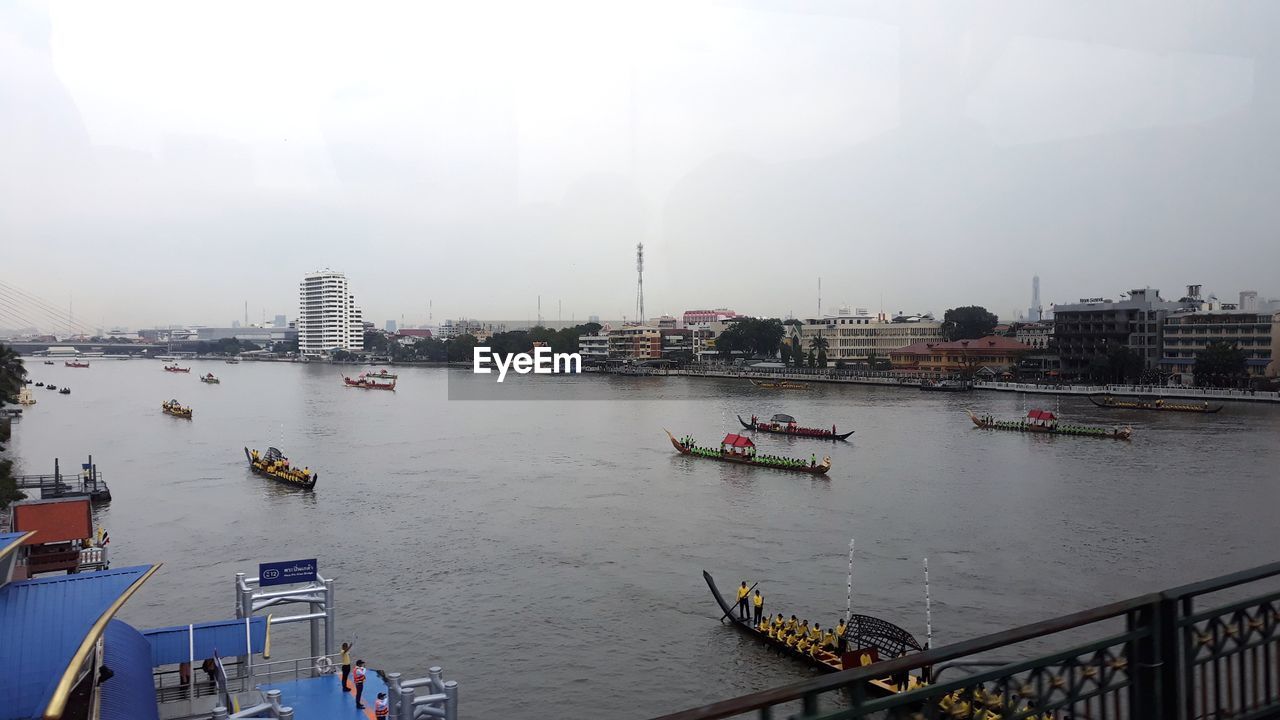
{"x": 799, "y": 635}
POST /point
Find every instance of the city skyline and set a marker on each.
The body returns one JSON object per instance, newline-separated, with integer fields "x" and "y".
{"x": 47, "y": 317}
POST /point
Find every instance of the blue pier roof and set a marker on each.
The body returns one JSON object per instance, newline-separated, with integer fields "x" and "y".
{"x": 48, "y": 624}
{"x": 9, "y": 542}
{"x": 180, "y": 643}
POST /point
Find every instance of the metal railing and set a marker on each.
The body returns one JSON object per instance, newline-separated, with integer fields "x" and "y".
{"x": 1153, "y": 657}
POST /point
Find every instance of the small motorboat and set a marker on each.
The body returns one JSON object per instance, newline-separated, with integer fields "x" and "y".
{"x": 65, "y": 391}
{"x": 210, "y": 379}
{"x": 48, "y": 362}
{"x": 76, "y": 364}
{"x": 40, "y": 384}
{"x": 50, "y": 387}
{"x": 174, "y": 368}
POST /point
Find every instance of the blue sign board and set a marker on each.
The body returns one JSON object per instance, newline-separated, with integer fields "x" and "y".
{"x": 283, "y": 573}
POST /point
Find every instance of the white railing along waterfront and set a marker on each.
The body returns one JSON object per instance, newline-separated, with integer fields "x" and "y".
{"x": 891, "y": 379}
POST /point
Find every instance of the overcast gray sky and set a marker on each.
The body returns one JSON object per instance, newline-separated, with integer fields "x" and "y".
{"x": 166, "y": 162}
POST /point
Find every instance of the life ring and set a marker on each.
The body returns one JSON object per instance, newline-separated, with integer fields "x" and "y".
{"x": 324, "y": 665}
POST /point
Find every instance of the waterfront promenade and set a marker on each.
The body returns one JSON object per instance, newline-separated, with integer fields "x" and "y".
{"x": 889, "y": 379}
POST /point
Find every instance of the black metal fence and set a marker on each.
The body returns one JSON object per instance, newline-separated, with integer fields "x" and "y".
{"x": 1153, "y": 657}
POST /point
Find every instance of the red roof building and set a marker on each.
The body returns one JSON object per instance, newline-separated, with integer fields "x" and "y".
{"x": 959, "y": 356}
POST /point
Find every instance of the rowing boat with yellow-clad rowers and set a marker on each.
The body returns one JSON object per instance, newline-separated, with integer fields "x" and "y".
{"x": 276, "y": 466}
{"x": 1159, "y": 404}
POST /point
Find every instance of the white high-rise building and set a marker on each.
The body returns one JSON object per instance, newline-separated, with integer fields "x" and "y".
{"x": 328, "y": 318}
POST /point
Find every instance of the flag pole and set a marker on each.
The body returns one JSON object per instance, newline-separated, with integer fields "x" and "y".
{"x": 848, "y": 606}
{"x": 928, "y": 609}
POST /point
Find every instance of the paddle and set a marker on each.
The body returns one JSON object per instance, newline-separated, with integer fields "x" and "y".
{"x": 735, "y": 604}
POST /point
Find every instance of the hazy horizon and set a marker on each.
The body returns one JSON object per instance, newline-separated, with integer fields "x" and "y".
{"x": 165, "y": 164}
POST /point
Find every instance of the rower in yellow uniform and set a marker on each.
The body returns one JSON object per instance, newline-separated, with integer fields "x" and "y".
{"x": 802, "y": 635}
{"x": 829, "y": 641}
{"x": 743, "y": 591}
{"x": 775, "y": 628}
{"x": 841, "y": 643}
{"x": 758, "y": 601}
{"x": 815, "y": 638}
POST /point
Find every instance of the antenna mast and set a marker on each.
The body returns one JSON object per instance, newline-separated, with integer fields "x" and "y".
{"x": 819, "y": 298}
{"x": 640, "y": 282}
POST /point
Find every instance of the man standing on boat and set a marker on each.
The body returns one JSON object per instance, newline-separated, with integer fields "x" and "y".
{"x": 742, "y": 601}
{"x": 758, "y": 600}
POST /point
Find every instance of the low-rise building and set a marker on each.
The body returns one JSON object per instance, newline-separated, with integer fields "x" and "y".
{"x": 960, "y": 357}
{"x": 1187, "y": 333}
{"x": 594, "y": 349}
{"x": 1034, "y": 334}
{"x": 699, "y": 317}
{"x": 635, "y": 343}
{"x": 858, "y": 337}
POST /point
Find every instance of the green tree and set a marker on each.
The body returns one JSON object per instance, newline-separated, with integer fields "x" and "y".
{"x": 12, "y": 374}
{"x": 785, "y": 353}
{"x": 968, "y": 323}
{"x": 810, "y": 360}
{"x": 461, "y": 348}
{"x": 1220, "y": 364}
{"x": 375, "y": 342}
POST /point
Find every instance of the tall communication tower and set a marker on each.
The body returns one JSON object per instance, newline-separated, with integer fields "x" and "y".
{"x": 640, "y": 282}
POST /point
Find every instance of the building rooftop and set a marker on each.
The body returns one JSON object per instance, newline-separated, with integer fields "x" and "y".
{"x": 990, "y": 342}
{"x": 50, "y": 625}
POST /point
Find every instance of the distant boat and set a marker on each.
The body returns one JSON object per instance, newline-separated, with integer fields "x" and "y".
{"x": 50, "y": 387}
{"x": 367, "y": 383}
{"x": 1043, "y": 421}
{"x": 48, "y": 362}
{"x": 174, "y": 368}
{"x": 175, "y": 409}
{"x": 210, "y": 379}
{"x": 783, "y": 424}
{"x": 946, "y": 385}
{"x": 76, "y": 364}
{"x": 65, "y": 391}
{"x": 1158, "y": 404}
{"x": 780, "y": 385}
{"x": 276, "y": 466}
{"x": 382, "y": 375}
{"x": 232, "y": 361}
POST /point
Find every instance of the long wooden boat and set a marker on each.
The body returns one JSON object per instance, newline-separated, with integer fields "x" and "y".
{"x": 1159, "y": 404}
{"x": 868, "y": 640}
{"x": 741, "y": 451}
{"x": 76, "y": 364}
{"x": 174, "y": 408}
{"x": 780, "y": 385}
{"x": 782, "y": 424}
{"x": 382, "y": 375}
{"x": 1043, "y": 421}
{"x": 946, "y": 385}
{"x": 210, "y": 379}
{"x": 175, "y": 368}
{"x": 367, "y": 383}
{"x": 276, "y": 466}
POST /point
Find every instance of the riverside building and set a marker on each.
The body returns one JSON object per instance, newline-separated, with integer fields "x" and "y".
{"x": 1242, "y": 325}
{"x": 1086, "y": 330}
{"x": 328, "y": 317}
{"x": 859, "y": 336}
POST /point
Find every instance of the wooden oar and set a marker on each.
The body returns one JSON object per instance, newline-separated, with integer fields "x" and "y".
{"x": 735, "y": 604}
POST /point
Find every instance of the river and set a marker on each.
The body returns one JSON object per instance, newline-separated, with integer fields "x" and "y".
{"x": 548, "y": 554}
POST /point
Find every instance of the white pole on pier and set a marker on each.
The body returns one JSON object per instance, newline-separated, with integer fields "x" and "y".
{"x": 848, "y": 605}
{"x": 928, "y": 610}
